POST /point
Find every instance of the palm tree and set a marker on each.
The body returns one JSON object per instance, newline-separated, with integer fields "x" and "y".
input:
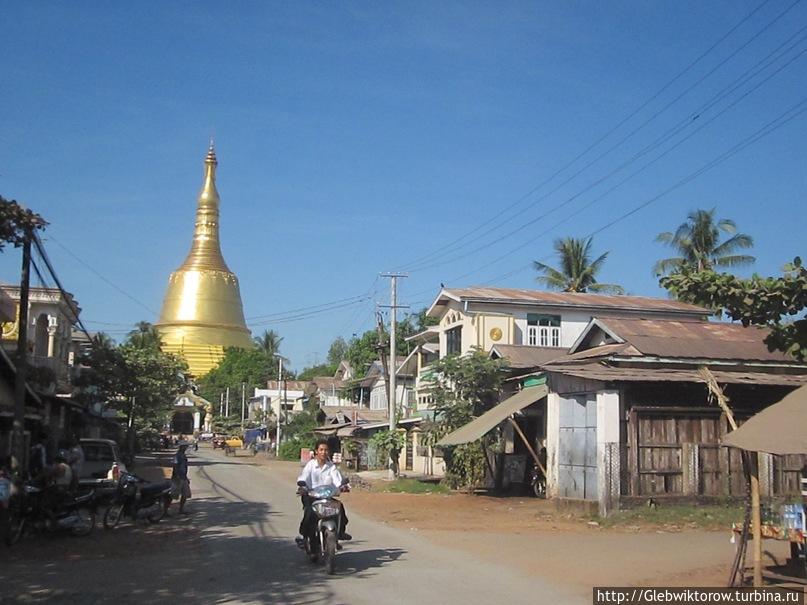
{"x": 145, "y": 335}
{"x": 269, "y": 342}
{"x": 578, "y": 272}
{"x": 698, "y": 242}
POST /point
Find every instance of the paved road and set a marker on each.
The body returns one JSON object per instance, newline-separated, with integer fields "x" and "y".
{"x": 237, "y": 547}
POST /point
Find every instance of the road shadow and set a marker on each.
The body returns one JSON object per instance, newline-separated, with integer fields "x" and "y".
{"x": 356, "y": 562}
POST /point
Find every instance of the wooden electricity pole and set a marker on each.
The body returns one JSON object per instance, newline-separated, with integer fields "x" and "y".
{"x": 18, "y": 428}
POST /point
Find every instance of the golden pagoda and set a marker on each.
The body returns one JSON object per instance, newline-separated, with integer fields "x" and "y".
{"x": 202, "y": 311}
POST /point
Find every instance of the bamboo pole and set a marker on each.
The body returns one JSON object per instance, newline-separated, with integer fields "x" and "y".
{"x": 527, "y": 443}
{"x": 756, "y": 517}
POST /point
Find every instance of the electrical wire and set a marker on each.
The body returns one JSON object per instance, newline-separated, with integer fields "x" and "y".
{"x": 669, "y": 135}
{"x": 486, "y": 225}
{"x": 101, "y": 277}
{"x": 67, "y": 296}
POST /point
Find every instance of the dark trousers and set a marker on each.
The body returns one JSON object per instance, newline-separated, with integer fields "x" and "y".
{"x": 310, "y": 517}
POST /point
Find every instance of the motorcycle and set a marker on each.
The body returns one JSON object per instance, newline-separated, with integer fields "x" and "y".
{"x": 537, "y": 482}
{"x": 321, "y": 545}
{"x": 35, "y": 508}
{"x": 149, "y": 502}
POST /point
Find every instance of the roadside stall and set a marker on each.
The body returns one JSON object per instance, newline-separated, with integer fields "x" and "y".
{"x": 780, "y": 429}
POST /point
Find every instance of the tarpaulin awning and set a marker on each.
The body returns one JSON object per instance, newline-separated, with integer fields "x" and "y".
{"x": 778, "y": 429}
{"x": 490, "y": 419}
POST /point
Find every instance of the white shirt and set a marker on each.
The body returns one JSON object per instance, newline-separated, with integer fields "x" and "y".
{"x": 315, "y": 475}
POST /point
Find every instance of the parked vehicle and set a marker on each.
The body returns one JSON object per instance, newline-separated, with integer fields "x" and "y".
{"x": 37, "y": 509}
{"x": 537, "y": 482}
{"x": 232, "y": 445}
{"x": 321, "y": 545}
{"x": 136, "y": 500}
{"x": 102, "y": 468}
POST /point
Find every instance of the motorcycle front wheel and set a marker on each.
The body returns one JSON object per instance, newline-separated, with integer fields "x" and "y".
{"x": 330, "y": 553}
{"x": 112, "y": 516}
{"x": 85, "y": 523}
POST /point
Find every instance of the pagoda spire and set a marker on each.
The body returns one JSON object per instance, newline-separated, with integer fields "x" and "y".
{"x": 206, "y": 248}
{"x": 202, "y": 312}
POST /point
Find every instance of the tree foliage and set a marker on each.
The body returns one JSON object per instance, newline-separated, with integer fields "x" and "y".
{"x": 324, "y": 369}
{"x": 251, "y": 367}
{"x": 759, "y": 301}
{"x": 577, "y": 273}
{"x": 136, "y": 377}
{"x": 337, "y": 351}
{"x": 463, "y": 388}
{"x": 697, "y": 241}
{"x": 269, "y": 343}
{"x": 390, "y": 443}
{"x": 16, "y": 222}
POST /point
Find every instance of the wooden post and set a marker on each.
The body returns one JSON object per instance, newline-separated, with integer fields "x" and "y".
{"x": 527, "y": 444}
{"x": 689, "y": 469}
{"x": 756, "y": 519}
{"x": 633, "y": 446}
{"x": 21, "y": 364}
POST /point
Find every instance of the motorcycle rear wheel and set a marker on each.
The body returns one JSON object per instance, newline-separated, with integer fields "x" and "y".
{"x": 330, "y": 553}
{"x": 112, "y": 516}
{"x": 539, "y": 488}
{"x": 86, "y": 522}
{"x": 14, "y": 528}
{"x": 158, "y": 514}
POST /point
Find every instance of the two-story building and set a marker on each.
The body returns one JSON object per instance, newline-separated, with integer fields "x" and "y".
{"x": 522, "y": 325}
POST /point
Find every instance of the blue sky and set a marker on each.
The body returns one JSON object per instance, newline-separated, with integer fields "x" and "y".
{"x": 356, "y": 138}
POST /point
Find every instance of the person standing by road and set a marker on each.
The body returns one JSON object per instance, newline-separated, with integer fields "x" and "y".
{"x": 181, "y": 485}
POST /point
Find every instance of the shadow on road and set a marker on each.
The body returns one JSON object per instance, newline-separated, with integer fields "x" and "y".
{"x": 352, "y": 561}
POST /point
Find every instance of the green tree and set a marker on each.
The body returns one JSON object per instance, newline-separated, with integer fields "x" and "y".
{"x": 323, "y": 369}
{"x": 252, "y": 367}
{"x": 759, "y": 301}
{"x": 363, "y": 351}
{"x": 390, "y": 444}
{"x": 136, "y": 377}
{"x": 423, "y": 321}
{"x": 16, "y": 222}
{"x": 337, "y": 351}
{"x": 463, "y": 388}
{"x": 145, "y": 335}
{"x": 697, "y": 241}
{"x": 577, "y": 273}
{"x": 269, "y": 343}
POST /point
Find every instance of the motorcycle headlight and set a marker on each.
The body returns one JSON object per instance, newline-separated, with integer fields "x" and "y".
{"x": 326, "y": 509}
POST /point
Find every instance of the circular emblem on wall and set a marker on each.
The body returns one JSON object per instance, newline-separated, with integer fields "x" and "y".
{"x": 496, "y": 334}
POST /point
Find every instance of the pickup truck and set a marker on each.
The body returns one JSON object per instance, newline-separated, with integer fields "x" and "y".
{"x": 101, "y": 458}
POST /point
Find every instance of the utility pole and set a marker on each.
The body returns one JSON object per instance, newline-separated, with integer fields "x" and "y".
{"x": 22, "y": 359}
{"x": 279, "y": 404}
{"x": 393, "y": 370}
{"x": 243, "y": 400}
{"x": 221, "y": 404}
{"x": 227, "y": 403}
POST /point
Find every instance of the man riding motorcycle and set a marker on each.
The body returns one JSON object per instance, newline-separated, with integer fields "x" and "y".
{"x": 318, "y": 472}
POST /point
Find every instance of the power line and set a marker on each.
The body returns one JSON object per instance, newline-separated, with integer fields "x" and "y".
{"x": 770, "y": 127}
{"x": 668, "y": 135}
{"x": 486, "y": 225}
{"x": 68, "y": 298}
{"x": 101, "y": 277}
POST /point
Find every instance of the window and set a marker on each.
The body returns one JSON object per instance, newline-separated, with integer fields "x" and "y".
{"x": 543, "y": 330}
{"x": 454, "y": 340}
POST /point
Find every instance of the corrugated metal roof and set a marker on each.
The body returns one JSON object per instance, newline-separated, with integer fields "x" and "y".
{"x": 695, "y": 339}
{"x": 574, "y": 299}
{"x": 620, "y": 374}
{"x": 521, "y": 356}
